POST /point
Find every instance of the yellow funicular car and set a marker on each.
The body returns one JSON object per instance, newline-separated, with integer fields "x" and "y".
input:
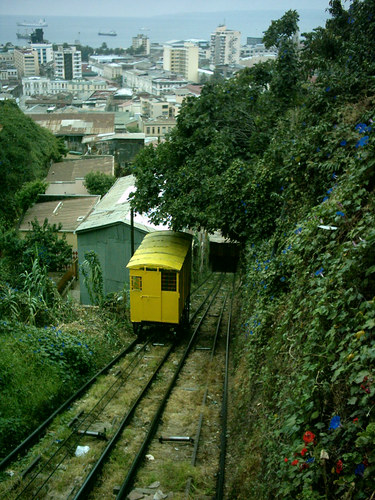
{"x": 160, "y": 272}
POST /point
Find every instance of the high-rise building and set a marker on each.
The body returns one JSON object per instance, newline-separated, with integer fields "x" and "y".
{"x": 182, "y": 58}
{"x": 68, "y": 63}
{"x": 26, "y": 62}
{"x": 45, "y": 52}
{"x": 141, "y": 41}
{"x": 225, "y": 46}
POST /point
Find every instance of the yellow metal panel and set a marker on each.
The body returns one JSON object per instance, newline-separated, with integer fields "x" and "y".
{"x": 145, "y": 303}
{"x": 164, "y": 249}
{"x": 170, "y": 309}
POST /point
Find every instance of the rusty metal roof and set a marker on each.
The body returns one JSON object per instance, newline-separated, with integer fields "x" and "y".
{"x": 70, "y": 212}
{"x": 76, "y": 123}
{"x": 67, "y": 171}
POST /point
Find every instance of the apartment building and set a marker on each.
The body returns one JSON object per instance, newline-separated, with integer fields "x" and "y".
{"x": 152, "y": 107}
{"x": 153, "y": 82}
{"x": 45, "y": 52}
{"x": 158, "y": 127}
{"x": 182, "y": 58}
{"x": 225, "y": 46}
{"x": 141, "y": 41}
{"x": 26, "y": 62}
{"x": 8, "y": 72}
{"x": 68, "y": 63}
{"x": 7, "y": 57}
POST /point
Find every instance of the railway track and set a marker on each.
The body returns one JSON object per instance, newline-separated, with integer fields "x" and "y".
{"x": 119, "y": 416}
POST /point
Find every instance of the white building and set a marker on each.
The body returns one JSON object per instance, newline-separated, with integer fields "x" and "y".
{"x": 258, "y": 50}
{"x": 182, "y": 58}
{"x": 26, "y": 62}
{"x": 45, "y": 52}
{"x": 225, "y": 46}
{"x": 141, "y": 41}
{"x": 68, "y": 63}
{"x": 43, "y": 86}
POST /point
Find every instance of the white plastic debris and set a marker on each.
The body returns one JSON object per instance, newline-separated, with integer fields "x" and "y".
{"x": 150, "y": 457}
{"x": 81, "y": 450}
{"x": 328, "y": 228}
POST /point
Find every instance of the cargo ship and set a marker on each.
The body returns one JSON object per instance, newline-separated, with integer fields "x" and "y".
{"x": 107, "y": 33}
{"x": 36, "y": 24}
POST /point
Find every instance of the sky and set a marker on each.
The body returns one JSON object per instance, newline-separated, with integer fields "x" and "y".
{"x": 146, "y": 8}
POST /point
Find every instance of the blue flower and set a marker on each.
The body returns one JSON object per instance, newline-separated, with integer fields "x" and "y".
{"x": 362, "y": 141}
{"x": 334, "y": 176}
{"x": 319, "y": 272}
{"x": 325, "y": 199}
{"x": 335, "y": 422}
{"x": 282, "y": 279}
{"x": 329, "y": 191}
{"x": 343, "y": 142}
{"x": 327, "y": 89}
{"x": 361, "y": 127}
{"x": 298, "y": 231}
{"x": 359, "y": 470}
{"x": 310, "y": 460}
{"x": 317, "y": 150}
{"x": 340, "y": 213}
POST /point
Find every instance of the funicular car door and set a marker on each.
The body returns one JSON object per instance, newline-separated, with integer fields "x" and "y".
{"x": 151, "y": 295}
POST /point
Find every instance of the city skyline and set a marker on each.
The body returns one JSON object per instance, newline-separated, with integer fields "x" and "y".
{"x": 148, "y": 8}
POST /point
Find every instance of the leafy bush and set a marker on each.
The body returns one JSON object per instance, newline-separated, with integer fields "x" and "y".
{"x": 99, "y": 183}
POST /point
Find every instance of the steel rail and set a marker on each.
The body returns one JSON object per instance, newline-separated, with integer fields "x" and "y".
{"x": 90, "y": 479}
{"x": 32, "y": 438}
{"x": 204, "y": 400}
{"x": 129, "y": 479}
{"x": 66, "y": 445}
{"x": 224, "y": 409}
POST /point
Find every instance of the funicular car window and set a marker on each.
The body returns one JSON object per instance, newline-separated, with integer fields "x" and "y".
{"x": 137, "y": 283}
{"x": 168, "y": 281}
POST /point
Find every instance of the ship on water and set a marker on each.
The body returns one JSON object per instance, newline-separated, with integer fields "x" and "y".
{"x": 107, "y": 33}
{"x": 33, "y": 24}
{"x": 24, "y": 36}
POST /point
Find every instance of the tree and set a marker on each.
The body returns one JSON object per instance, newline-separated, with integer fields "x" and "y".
{"x": 29, "y": 192}
{"x": 201, "y": 175}
{"x": 26, "y": 150}
{"x": 282, "y": 34}
{"x": 45, "y": 242}
{"x": 98, "y": 183}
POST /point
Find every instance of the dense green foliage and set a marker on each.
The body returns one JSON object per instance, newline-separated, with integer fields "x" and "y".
{"x": 281, "y": 158}
{"x": 26, "y": 150}
{"x": 43, "y": 243}
{"x": 99, "y": 183}
{"x": 40, "y": 367}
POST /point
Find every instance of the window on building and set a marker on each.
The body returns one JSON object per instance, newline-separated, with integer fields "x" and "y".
{"x": 168, "y": 281}
{"x": 137, "y": 283}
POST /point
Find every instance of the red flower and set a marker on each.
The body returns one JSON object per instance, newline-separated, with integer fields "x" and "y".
{"x": 339, "y": 466}
{"x": 355, "y": 420}
{"x": 308, "y": 437}
{"x": 285, "y": 459}
{"x": 303, "y": 451}
{"x": 295, "y": 462}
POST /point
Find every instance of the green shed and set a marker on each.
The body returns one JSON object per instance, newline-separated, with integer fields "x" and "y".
{"x": 107, "y": 232}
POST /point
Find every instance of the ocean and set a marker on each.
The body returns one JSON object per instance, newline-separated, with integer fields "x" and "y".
{"x": 159, "y": 29}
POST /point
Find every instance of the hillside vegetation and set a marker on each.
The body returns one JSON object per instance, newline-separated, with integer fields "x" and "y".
{"x": 281, "y": 158}
{"x": 26, "y": 150}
